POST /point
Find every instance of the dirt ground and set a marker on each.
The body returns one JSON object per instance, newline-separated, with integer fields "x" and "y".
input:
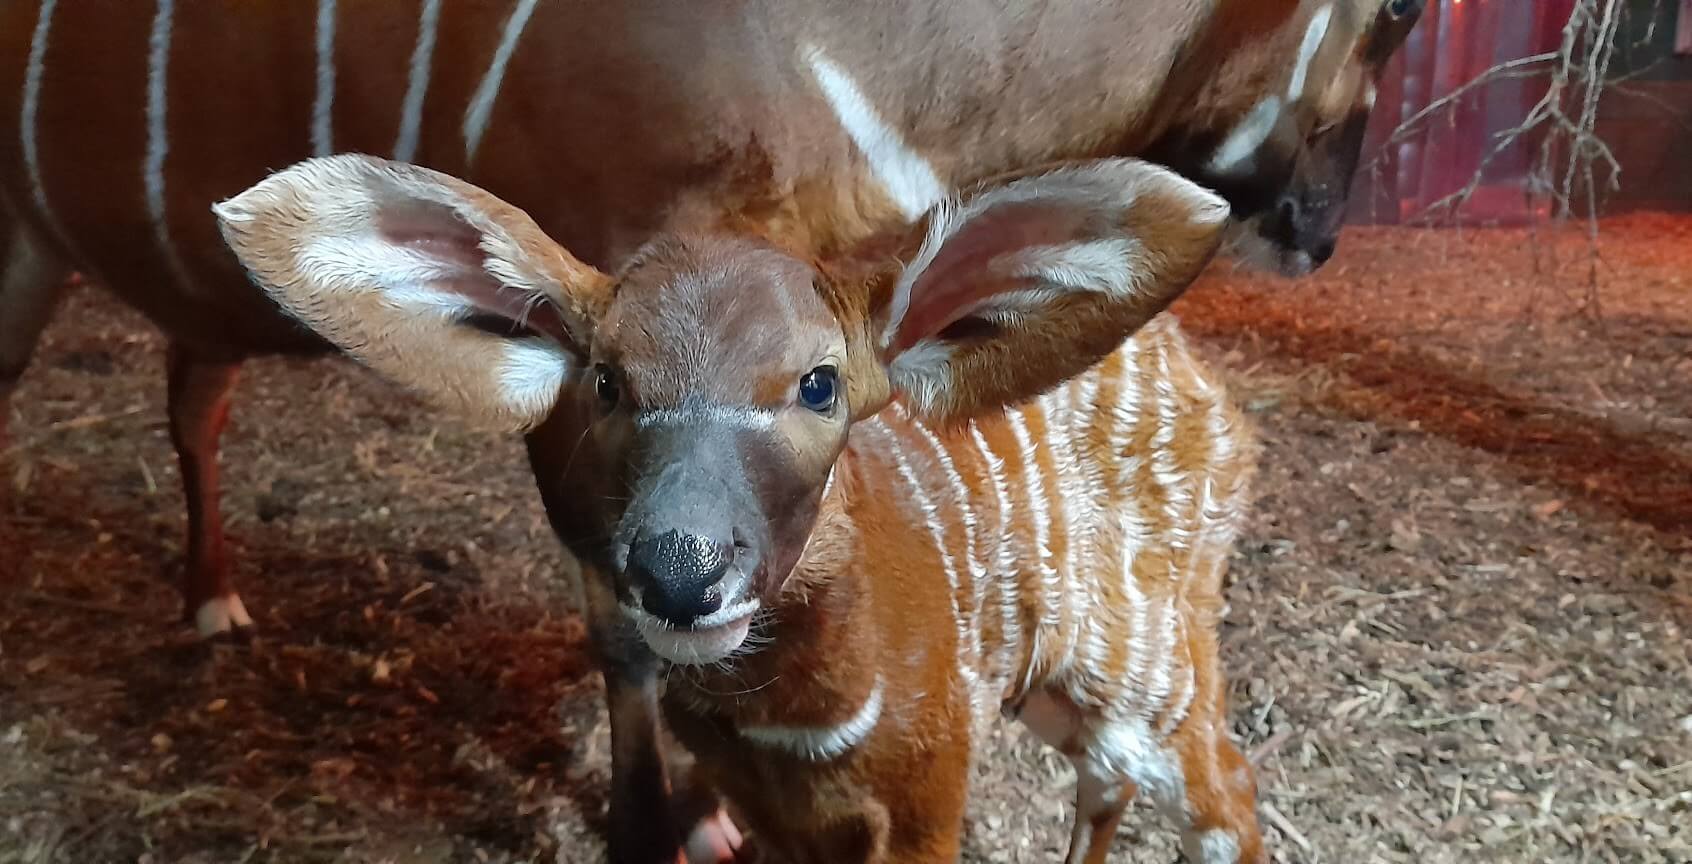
{"x": 1458, "y": 629}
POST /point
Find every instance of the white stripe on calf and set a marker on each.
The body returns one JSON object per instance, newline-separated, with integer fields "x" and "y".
{"x": 1034, "y": 488}
{"x": 1139, "y": 647}
{"x": 417, "y": 83}
{"x": 819, "y": 744}
{"x": 1004, "y": 569}
{"x": 482, "y": 103}
{"x": 323, "y": 105}
{"x": 937, "y": 535}
{"x": 969, "y": 626}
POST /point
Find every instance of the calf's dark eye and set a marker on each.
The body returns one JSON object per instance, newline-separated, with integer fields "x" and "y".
{"x": 605, "y": 387}
{"x": 817, "y": 389}
{"x": 1400, "y": 8}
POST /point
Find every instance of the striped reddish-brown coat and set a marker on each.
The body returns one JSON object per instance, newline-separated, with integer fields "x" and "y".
{"x": 607, "y": 122}
{"x": 1061, "y": 563}
{"x": 848, "y": 576}
{"x": 120, "y": 123}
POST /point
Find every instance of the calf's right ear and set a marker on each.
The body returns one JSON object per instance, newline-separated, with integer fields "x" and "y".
{"x": 431, "y": 281}
{"x": 1030, "y": 281}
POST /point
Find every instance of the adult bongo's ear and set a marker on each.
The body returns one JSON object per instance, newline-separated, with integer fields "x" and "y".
{"x": 431, "y": 281}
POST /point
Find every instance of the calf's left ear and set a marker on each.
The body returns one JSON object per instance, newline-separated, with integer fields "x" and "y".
{"x": 1029, "y": 282}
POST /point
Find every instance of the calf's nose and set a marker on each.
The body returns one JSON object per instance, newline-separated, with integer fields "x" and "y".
{"x": 679, "y": 576}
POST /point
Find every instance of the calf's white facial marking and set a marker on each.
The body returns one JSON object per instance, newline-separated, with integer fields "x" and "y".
{"x": 1313, "y": 35}
{"x": 1247, "y": 137}
{"x": 709, "y": 639}
{"x": 820, "y": 744}
{"x": 908, "y": 178}
{"x": 737, "y": 416}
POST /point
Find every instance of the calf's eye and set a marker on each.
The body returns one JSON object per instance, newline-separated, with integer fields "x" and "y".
{"x": 605, "y": 387}
{"x": 817, "y": 389}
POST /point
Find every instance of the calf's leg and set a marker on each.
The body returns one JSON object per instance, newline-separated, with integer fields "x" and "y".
{"x": 1099, "y": 803}
{"x": 1217, "y": 804}
{"x": 645, "y": 823}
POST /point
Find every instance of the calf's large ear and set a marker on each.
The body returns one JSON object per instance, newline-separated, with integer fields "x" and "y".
{"x": 1026, "y": 283}
{"x": 430, "y": 281}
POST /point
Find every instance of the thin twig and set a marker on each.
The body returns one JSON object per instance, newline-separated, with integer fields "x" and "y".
{"x": 1269, "y": 746}
{"x": 82, "y": 422}
{"x": 1573, "y": 163}
{"x": 1285, "y": 825}
{"x": 1506, "y": 70}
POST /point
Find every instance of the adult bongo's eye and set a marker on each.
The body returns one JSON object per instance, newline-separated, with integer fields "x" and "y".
{"x": 605, "y": 387}
{"x": 817, "y": 389}
{"x": 1400, "y": 8}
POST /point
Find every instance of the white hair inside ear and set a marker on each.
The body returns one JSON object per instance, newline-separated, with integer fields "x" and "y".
{"x": 390, "y": 262}
{"x": 1011, "y": 257}
{"x": 1110, "y": 264}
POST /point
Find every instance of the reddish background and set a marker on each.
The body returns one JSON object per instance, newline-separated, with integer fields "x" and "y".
{"x": 1647, "y": 121}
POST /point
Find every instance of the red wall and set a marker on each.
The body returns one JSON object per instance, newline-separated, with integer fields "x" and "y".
{"x": 1455, "y": 42}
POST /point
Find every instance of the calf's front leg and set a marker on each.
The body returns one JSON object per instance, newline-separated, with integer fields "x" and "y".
{"x": 646, "y": 821}
{"x": 641, "y": 821}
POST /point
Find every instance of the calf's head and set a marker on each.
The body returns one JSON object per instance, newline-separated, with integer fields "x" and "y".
{"x": 691, "y": 409}
{"x": 1277, "y": 127}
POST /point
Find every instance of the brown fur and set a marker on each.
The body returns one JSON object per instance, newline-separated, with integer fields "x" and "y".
{"x": 862, "y": 601}
{"x": 652, "y": 145}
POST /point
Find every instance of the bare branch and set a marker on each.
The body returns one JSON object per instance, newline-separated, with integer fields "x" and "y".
{"x": 1506, "y": 70}
{"x": 1573, "y": 167}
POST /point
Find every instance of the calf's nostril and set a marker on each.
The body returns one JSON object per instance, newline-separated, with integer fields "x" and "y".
{"x": 678, "y": 575}
{"x": 683, "y": 611}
